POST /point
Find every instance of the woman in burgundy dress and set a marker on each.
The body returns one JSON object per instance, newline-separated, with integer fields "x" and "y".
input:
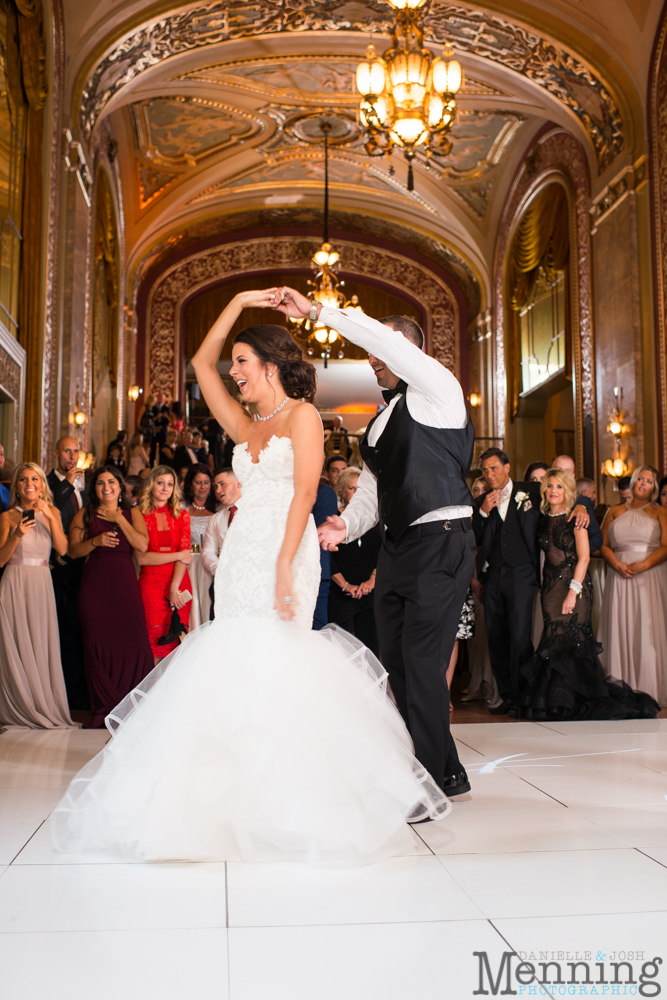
{"x": 117, "y": 653}
{"x": 164, "y": 577}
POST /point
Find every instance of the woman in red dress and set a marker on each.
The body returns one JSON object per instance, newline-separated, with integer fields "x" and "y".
{"x": 164, "y": 577}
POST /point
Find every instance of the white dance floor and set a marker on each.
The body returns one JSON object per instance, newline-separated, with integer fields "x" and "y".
{"x": 560, "y": 852}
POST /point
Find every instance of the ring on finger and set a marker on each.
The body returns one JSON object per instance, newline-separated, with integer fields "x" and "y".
{"x": 288, "y": 599}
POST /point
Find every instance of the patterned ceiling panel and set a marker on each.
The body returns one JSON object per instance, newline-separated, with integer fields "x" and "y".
{"x": 175, "y": 131}
{"x": 558, "y": 71}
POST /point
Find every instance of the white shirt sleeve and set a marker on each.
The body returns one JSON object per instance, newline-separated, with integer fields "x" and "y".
{"x": 212, "y": 544}
{"x": 361, "y": 514}
{"x": 441, "y": 395}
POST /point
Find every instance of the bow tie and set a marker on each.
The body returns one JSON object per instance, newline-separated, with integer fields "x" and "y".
{"x": 388, "y": 394}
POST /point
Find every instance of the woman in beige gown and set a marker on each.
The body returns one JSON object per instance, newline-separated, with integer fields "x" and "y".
{"x": 633, "y": 618}
{"x": 32, "y": 687}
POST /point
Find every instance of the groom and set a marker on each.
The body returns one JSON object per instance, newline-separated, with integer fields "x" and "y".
{"x": 416, "y": 454}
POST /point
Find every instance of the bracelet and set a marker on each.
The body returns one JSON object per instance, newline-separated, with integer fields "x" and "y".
{"x": 576, "y": 586}
{"x": 344, "y": 586}
{"x": 172, "y": 591}
{"x": 374, "y": 572}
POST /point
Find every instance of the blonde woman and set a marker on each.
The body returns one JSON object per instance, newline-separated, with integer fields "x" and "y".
{"x": 137, "y": 455}
{"x": 565, "y": 680}
{"x": 164, "y": 578}
{"x": 32, "y": 687}
{"x": 633, "y": 618}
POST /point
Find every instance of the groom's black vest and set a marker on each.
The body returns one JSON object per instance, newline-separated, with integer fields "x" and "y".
{"x": 418, "y": 468}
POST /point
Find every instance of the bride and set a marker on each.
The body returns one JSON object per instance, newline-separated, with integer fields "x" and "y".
{"x": 257, "y": 739}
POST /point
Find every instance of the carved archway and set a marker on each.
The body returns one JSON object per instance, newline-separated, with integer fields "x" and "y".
{"x": 195, "y": 272}
{"x": 558, "y": 156}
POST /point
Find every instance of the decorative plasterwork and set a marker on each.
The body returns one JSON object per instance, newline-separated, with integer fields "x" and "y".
{"x": 274, "y": 217}
{"x": 559, "y": 72}
{"x": 557, "y": 154}
{"x": 295, "y": 78}
{"x": 359, "y": 260}
{"x": 479, "y": 140}
{"x": 180, "y": 131}
{"x": 658, "y": 120}
{"x": 630, "y": 179}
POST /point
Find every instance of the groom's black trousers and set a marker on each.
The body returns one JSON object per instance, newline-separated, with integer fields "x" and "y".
{"x": 421, "y": 585}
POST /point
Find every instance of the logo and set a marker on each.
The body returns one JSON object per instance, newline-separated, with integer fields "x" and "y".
{"x": 563, "y": 973}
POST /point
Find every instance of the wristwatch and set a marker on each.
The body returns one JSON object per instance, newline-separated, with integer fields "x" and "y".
{"x": 313, "y": 311}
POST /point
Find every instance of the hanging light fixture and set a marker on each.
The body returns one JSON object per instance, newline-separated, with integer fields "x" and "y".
{"x": 408, "y": 97}
{"x": 616, "y": 467}
{"x": 327, "y": 286}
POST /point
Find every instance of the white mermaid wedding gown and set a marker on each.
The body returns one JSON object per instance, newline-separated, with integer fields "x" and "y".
{"x": 256, "y": 739}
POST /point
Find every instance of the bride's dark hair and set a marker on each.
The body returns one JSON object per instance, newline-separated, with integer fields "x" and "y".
{"x": 276, "y": 346}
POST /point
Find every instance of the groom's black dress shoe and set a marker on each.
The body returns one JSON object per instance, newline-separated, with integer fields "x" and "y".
{"x": 456, "y": 784}
{"x": 503, "y": 709}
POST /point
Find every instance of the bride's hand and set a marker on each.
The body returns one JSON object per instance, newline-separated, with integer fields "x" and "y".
{"x": 285, "y": 607}
{"x": 260, "y": 299}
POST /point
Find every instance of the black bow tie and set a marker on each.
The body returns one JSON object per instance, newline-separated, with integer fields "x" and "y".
{"x": 388, "y": 394}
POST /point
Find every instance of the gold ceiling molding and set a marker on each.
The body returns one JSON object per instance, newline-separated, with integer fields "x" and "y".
{"x": 302, "y": 78}
{"x": 549, "y": 66}
{"x": 224, "y": 222}
{"x": 152, "y": 183}
{"x": 268, "y": 254}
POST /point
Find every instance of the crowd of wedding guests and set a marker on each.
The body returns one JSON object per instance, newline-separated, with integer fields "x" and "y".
{"x": 104, "y": 573}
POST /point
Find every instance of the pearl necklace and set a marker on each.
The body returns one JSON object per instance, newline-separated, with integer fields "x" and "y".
{"x": 256, "y": 416}
{"x": 198, "y": 506}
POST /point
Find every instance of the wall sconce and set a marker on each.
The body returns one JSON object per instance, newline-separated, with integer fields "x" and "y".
{"x": 134, "y": 392}
{"x": 616, "y": 467}
{"x": 475, "y": 399}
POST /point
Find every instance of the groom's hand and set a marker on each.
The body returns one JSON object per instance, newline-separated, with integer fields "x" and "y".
{"x": 332, "y": 533}
{"x": 291, "y": 303}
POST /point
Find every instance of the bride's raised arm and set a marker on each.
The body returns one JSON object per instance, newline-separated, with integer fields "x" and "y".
{"x": 226, "y": 410}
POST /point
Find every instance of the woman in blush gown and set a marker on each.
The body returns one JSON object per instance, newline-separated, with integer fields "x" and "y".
{"x": 564, "y": 679}
{"x": 117, "y": 653}
{"x": 633, "y": 618}
{"x": 258, "y": 739}
{"x": 32, "y": 686}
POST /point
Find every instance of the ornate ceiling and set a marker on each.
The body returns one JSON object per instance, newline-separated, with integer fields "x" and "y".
{"x": 209, "y": 106}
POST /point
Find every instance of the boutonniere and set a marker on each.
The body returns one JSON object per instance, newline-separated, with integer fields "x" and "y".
{"x": 520, "y": 498}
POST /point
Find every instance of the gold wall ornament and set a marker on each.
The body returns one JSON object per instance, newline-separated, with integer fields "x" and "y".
{"x": 558, "y": 71}
{"x": 193, "y": 274}
{"x": 29, "y": 7}
{"x": 33, "y": 56}
{"x": 658, "y": 122}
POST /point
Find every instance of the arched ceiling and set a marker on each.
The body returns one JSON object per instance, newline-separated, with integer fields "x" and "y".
{"x": 204, "y": 106}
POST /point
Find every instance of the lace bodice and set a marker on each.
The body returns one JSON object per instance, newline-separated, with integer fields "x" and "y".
{"x": 269, "y": 480}
{"x": 557, "y": 541}
{"x": 246, "y": 576}
{"x": 198, "y": 526}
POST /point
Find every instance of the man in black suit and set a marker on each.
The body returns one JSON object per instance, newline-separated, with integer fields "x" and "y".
{"x": 67, "y": 483}
{"x": 505, "y": 523}
{"x": 185, "y": 455}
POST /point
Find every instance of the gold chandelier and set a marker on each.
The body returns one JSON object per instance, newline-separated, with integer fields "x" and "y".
{"x": 327, "y": 286}
{"x": 408, "y": 97}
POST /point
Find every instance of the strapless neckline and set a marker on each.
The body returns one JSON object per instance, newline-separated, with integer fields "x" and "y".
{"x": 274, "y": 437}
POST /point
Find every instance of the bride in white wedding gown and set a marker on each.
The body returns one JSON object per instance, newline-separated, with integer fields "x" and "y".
{"x": 257, "y": 739}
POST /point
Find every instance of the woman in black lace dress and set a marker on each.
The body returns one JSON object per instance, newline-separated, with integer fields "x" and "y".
{"x": 564, "y": 679}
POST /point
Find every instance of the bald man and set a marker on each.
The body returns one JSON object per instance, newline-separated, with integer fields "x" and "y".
{"x": 67, "y": 484}
{"x": 566, "y": 463}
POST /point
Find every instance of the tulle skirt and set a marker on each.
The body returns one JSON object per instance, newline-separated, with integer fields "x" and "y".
{"x": 254, "y": 741}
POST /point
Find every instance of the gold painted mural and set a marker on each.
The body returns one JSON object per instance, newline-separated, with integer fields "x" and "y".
{"x": 179, "y": 131}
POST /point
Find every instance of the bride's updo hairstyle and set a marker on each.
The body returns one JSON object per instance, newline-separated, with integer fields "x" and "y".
{"x": 274, "y": 345}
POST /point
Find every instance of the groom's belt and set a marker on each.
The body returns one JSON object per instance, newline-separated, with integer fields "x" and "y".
{"x": 430, "y": 528}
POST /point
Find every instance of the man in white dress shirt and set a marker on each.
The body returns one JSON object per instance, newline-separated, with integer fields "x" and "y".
{"x": 416, "y": 455}
{"x": 227, "y": 492}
